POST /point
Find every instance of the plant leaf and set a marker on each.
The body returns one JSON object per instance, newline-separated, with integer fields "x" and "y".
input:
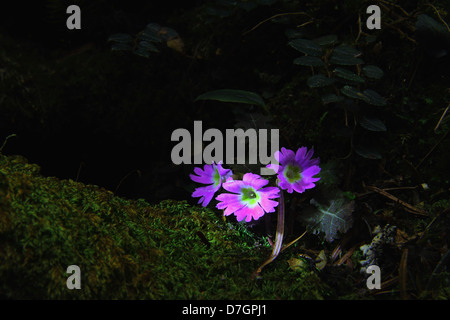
{"x": 374, "y": 98}
{"x": 334, "y": 217}
{"x": 150, "y": 36}
{"x": 348, "y": 75}
{"x": 319, "y": 80}
{"x": 367, "y": 152}
{"x": 352, "y": 92}
{"x": 328, "y": 40}
{"x": 372, "y": 124}
{"x": 307, "y": 47}
{"x": 230, "y": 95}
{"x": 148, "y": 46}
{"x": 331, "y": 97}
{"x": 345, "y": 61}
{"x": 427, "y": 26}
{"x": 373, "y": 72}
{"x": 293, "y": 33}
{"x": 121, "y": 46}
{"x": 121, "y": 37}
{"x": 346, "y": 56}
{"x": 346, "y": 51}
{"x": 309, "y": 61}
{"x": 142, "y": 52}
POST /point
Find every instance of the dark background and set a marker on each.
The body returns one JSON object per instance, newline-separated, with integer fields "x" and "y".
{"x": 84, "y": 112}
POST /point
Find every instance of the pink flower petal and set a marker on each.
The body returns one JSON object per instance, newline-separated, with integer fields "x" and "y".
{"x": 254, "y": 180}
{"x": 274, "y": 167}
{"x": 233, "y": 185}
{"x": 311, "y": 171}
{"x": 300, "y": 155}
{"x": 202, "y": 179}
{"x": 268, "y": 205}
{"x": 205, "y": 194}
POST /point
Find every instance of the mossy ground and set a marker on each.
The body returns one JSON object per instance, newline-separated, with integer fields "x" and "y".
{"x": 128, "y": 249}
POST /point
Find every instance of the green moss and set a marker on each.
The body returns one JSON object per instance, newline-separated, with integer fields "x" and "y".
{"x": 128, "y": 249}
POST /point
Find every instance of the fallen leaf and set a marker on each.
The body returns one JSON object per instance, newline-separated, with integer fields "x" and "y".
{"x": 176, "y": 44}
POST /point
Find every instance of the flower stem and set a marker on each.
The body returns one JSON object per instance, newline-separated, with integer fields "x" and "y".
{"x": 278, "y": 237}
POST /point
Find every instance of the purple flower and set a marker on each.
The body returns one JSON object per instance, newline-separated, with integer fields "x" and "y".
{"x": 249, "y": 199}
{"x": 296, "y": 170}
{"x": 213, "y": 175}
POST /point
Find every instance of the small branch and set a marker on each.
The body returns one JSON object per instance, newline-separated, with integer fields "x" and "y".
{"x": 292, "y": 242}
{"x": 432, "y": 149}
{"x": 439, "y": 16}
{"x": 279, "y": 15}
{"x": 402, "y": 274}
{"x": 396, "y": 6}
{"x": 126, "y": 176}
{"x": 442, "y": 118}
{"x": 6, "y": 140}
{"x": 407, "y": 206}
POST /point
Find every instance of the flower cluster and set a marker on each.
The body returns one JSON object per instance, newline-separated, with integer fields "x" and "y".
{"x": 250, "y": 198}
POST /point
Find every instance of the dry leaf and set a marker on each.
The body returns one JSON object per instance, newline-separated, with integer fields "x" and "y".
{"x": 176, "y": 44}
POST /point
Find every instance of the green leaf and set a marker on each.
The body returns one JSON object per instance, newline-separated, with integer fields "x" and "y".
{"x": 331, "y": 97}
{"x": 348, "y": 75}
{"x": 293, "y": 33}
{"x": 121, "y": 46}
{"x": 367, "y": 152}
{"x": 346, "y": 56}
{"x": 345, "y": 61}
{"x": 309, "y": 61}
{"x": 121, "y": 37}
{"x": 150, "y": 36}
{"x": 372, "y": 124}
{"x": 374, "y": 98}
{"x": 307, "y": 47}
{"x": 230, "y": 95}
{"x": 352, "y": 92}
{"x": 145, "y": 45}
{"x": 167, "y": 33}
{"x": 142, "y": 52}
{"x": 346, "y": 51}
{"x": 426, "y": 25}
{"x": 319, "y": 80}
{"x": 373, "y": 72}
{"x": 331, "y": 218}
{"x": 328, "y": 40}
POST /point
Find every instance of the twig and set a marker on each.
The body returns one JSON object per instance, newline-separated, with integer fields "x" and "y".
{"x": 79, "y": 170}
{"x": 397, "y": 6}
{"x": 359, "y": 29}
{"x": 126, "y": 176}
{"x": 432, "y": 149}
{"x": 6, "y": 140}
{"x": 442, "y": 118}
{"x": 437, "y": 270}
{"x": 276, "y": 16}
{"x": 402, "y": 33}
{"x": 292, "y": 242}
{"x": 439, "y": 16}
{"x": 346, "y": 256}
{"x": 402, "y": 274}
{"x": 407, "y": 206}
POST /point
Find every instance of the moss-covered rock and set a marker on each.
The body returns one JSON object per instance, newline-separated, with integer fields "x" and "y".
{"x": 128, "y": 249}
